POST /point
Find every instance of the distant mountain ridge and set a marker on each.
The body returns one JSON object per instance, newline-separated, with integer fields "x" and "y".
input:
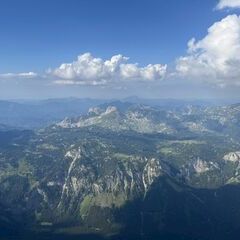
{"x": 35, "y": 114}
{"x": 120, "y": 116}
{"x": 38, "y": 114}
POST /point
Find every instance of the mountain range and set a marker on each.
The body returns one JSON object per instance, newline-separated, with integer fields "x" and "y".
{"x": 36, "y": 114}
{"x": 124, "y": 170}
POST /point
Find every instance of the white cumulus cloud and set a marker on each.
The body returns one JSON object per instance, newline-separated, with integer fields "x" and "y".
{"x": 88, "y": 70}
{"x": 216, "y": 57}
{"x": 228, "y": 4}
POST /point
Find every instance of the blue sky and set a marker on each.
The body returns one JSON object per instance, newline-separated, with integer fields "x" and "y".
{"x": 40, "y": 35}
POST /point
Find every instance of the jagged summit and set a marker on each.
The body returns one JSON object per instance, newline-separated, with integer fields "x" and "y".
{"x": 122, "y": 116}
{"x": 119, "y": 116}
{"x": 232, "y": 156}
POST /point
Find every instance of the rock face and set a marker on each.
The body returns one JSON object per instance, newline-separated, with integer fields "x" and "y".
{"x": 151, "y": 172}
{"x": 84, "y": 187}
{"x": 201, "y": 166}
{"x": 125, "y": 169}
{"x": 232, "y": 156}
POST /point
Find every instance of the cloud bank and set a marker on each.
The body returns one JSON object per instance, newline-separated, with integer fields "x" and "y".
{"x": 228, "y": 4}
{"x": 28, "y": 75}
{"x": 88, "y": 70}
{"x": 215, "y": 58}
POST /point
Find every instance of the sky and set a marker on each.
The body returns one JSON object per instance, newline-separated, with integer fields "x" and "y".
{"x": 119, "y": 48}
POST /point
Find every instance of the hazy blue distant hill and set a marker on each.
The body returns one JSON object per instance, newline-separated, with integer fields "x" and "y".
{"x": 36, "y": 114}
{"x": 4, "y": 127}
{"x": 170, "y": 102}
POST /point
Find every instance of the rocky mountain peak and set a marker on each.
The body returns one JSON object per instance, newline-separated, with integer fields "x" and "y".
{"x": 111, "y": 109}
{"x": 232, "y": 156}
{"x": 95, "y": 110}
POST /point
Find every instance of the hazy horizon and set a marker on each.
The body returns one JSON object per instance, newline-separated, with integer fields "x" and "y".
{"x": 124, "y": 99}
